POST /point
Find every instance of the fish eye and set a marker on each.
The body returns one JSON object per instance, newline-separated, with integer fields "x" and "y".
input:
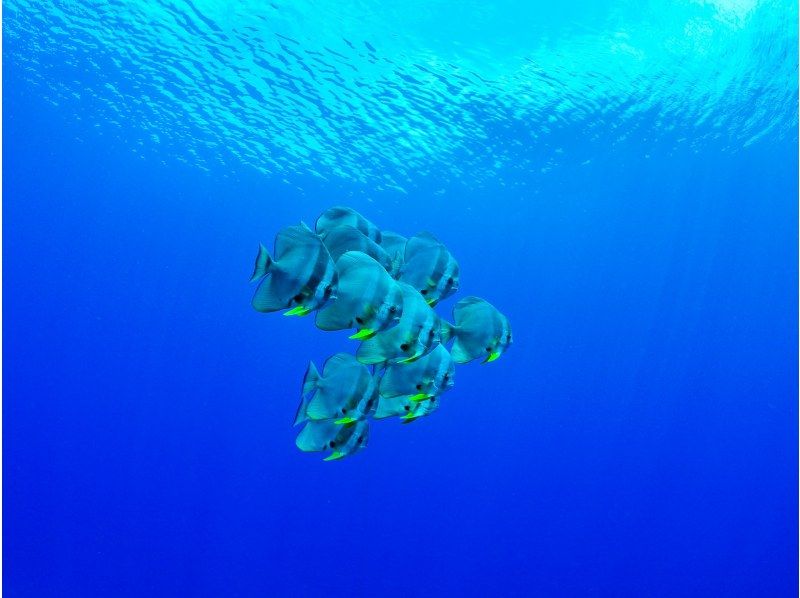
{"x": 488, "y": 349}
{"x": 447, "y": 376}
{"x": 404, "y": 347}
{"x": 327, "y": 292}
{"x": 393, "y": 308}
{"x": 450, "y": 280}
{"x": 424, "y": 291}
{"x": 431, "y": 333}
{"x": 344, "y": 410}
{"x": 298, "y": 297}
{"x": 407, "y": 408}
{"x": 369, "y": 403}
{"x": 508, "y": 337}
{"x": 333, "y": 444}
{"x": 359, "y": 320}
{"x": 433, "y": 399}
{"x": 419, "y": 386}
{"x": 360, "y": 439}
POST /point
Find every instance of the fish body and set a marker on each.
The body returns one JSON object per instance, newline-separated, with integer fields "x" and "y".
{"x": 341, "y": 216}
{"x": 480, "y": 330}
{"x": 345, "y": 392}
{"x": 430, "y": 268}
{"x": 301, "y": 277}
{"x": 367, "y": 297}
{"x": 415, "y": 335}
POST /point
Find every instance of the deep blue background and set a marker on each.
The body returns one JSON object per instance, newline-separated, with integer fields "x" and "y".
{"x": 640, "y": 438}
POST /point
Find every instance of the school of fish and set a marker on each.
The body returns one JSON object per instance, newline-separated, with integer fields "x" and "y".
{"x": 384, "y": 287}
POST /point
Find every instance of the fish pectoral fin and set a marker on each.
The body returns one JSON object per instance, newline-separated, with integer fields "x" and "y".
{"x": 419, "y": 397}
{"x": 363, "y": 334}
{"x": 345, "y": 421}
{"x": 410, "y": 359}
{"x": 493, "y": 356}
{"x": 334, "y": 456}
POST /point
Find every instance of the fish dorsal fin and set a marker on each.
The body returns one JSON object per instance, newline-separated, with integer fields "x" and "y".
{"x": 333, "y": 214}
{"x": 353, "y": 261}
{"x": 467, "y": 307}
{"x": 294, "y": 239}
{"x": 343, "y": 364}
{"x": 422, "y": 243}
{"x": 341, "y": 239}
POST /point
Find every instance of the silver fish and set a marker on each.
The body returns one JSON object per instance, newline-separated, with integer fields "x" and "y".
{"x": 405, "y": 408}
{"x": 480, "y": 330}
{"x": 345, "y": 392}
{"x": 429, "y": 376}
{"x": 415, "y": 335}
{"x": 343, "y": 441}
{"x": 367, "y": 298}
{"x": 301, "y": 277}
{"x": 430, "y": 268}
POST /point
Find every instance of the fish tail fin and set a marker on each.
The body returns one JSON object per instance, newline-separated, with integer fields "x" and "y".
{"x": 448, "y": 332}
{"x": 302, "y": 412}
{"x": 263, "y": 262}
{"x": 396, "y": 265}
{"x": 311, "y": 379}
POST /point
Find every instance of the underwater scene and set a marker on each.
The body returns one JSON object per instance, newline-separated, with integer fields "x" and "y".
{"x": 407, "y": 299}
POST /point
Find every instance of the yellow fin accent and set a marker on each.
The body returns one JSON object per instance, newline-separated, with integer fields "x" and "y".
{"x": 297, "y": 311}
{"x": 410, "y": 359}
{"x": 419, "y": 397}
{"x": 364, "y": 333}
{"x": 334, "y": 456}
{"x": 346, "y": 421}
{"x": 492, "y": 356}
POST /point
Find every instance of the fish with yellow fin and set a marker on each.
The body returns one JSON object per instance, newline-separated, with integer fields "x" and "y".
{"x": 480, "y": 331}
{"x": 301, "y": 277}
{"x": 344, "y": 393}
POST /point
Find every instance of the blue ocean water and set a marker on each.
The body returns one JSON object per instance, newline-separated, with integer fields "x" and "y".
{"x": 619, "y": 178}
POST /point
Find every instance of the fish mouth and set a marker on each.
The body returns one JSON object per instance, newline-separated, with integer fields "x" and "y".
{"x": 493, "y": 356}
{"x": 363, "y": 334}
